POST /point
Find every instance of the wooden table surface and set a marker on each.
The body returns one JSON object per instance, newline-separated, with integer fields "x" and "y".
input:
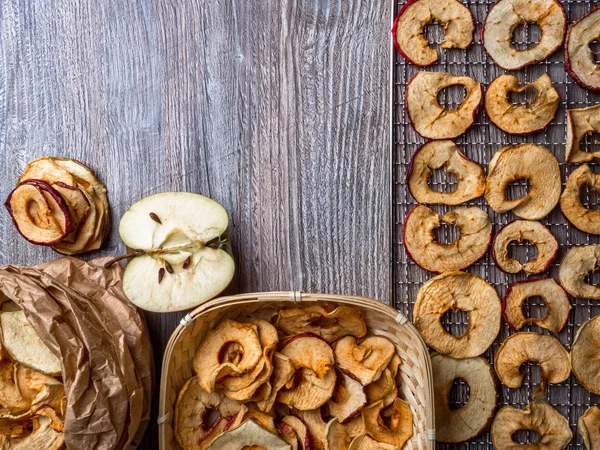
{"x": 276, "y": 109}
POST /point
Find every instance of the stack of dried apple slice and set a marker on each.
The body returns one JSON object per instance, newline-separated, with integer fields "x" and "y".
{"x": 32, "y": 400}
{"x": 60, "y": 203}
{"x": 310, "y": 378}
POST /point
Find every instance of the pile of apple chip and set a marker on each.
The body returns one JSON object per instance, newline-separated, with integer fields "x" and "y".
{"x": 311, "y": 378}
{"x": 32, "y": 400}
{"x": 60, "y": 203}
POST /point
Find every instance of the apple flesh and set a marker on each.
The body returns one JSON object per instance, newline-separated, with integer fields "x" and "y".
{"x": 180, "y": 257}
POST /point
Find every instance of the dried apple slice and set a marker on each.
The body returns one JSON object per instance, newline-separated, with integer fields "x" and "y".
{"x": 400, "y": 427}
{"x": 43, "y": 436}
{"x": 248, "y": 435}
{"x": 283, "y": 371}
{"x": 336, "y": 436}
{"x": 330, "y": 325}
{"x": 428, "y": 117}
{"x": 453, "y": 291}
{"x": 589, "y": 427}
{"x": 552, "y": 294}
{"x": 364, "y": 361}
{"x": 580, "y": 62}
{"x": 581, "y": 217}
{"x": 24, "y": 345}
{"x": 415, "y": 15}
{"x": 475, "y": 416}
{"x": 525, "y": 230}
{"x": 541, "y": 349}
{"x": 180, "y": 257}
{"x": 521, "y": 119}
{"x": 506, "y": 15}
{"x": 524, "y": 161}
{"x": 470, "y": 179}
{"x": 314, "y": 362}
{"x": 39, "y": 212}
{"x": 584, "y": 355}
{"x": 231, "y": 348}
{"x": 316, "y": 427}
{"x": 193, "y": 404}
{"x": 422, "y": 247}
{"x": 300, "y": 430}
{"x": 551, "y": 427}
{"x": 385, "y": 387}
{"x": 348, "y": 398}
{"x": 581, "y": 122}
{"x": 366, "y": 442}
{"x": 574, "y": 268}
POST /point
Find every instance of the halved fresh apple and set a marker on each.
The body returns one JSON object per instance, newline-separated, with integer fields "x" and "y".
{"x": 180, "y": 256}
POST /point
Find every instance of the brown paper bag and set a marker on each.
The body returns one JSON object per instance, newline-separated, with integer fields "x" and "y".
{"x": 80, "y": 311}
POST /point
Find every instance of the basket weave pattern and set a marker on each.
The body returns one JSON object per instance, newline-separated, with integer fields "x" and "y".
{"x": 415, "y": 370}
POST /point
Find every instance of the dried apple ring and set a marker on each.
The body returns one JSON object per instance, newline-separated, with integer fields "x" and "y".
{"x": 421, "y": 245}
{"x": 428, "y": 117}
{"x": 231, "y": 348}
{"x": 542, "y": 349}
{"x": 524, "y": 161}
{"x": 579, "y": 123}
{"x": 474, "y": 417}
{"x": 453, "y": 291}
{"x": 579, "y": 57}
{"x": 584, "y": 219}
{"x": 574, "y": 268}
{"x": 506, "y": 15}
{"x": 584, "y": 355}
{"x": 525, "y": 230}
{"x": 415, "y": 15}
{"x": 520, "y": 119}
{"x": 470, "y": 179}
{"x": 551, "y": 426}
{"x": 552, "y": 294}
{"x": 589, "y": 427}
{"x": 39, "y": 212}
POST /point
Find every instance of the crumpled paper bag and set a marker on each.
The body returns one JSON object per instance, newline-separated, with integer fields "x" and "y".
{"x": 80, "y": 311}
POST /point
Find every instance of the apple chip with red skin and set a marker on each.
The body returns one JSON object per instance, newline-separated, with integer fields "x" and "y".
{"x": 231, "y": 348}
{"x": 348, "y": 398}
{"x": 525, "y": 161}
{"x": 428, "y": 117}
{"x": 580, "y": 60}
{"x": 506, "y": 15}
{"x": 552, "y": 294}
{"x": 330, "y": 325}
{"x": 453, "y": 291}
{"x": 583, "y": 218}
{"x": 541, "y": 349}
{"x": 525, "y": 230}
{"x": 413, "y": 18}
{"x": 584, "y": 355}
{"x": 551, "y": 427}
{"x": 39, "y": 212}
{"x": 521, "y": 119}
{"x": 589, "y": 427}
{"x": 314, "y": 380}
{"x": 423, "y": 247}
{"x": 473, "y": 418}
{"x": 581, "y": 122}
{"x": 364, "y": 361}
{"x": 574, "y": 268}
{"x": 470, "y": 179}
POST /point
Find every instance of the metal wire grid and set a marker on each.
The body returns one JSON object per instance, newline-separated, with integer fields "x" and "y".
{"x": 480, "y": 142}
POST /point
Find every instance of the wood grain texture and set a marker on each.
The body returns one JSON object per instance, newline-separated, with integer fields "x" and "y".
{"x": 278, "y": 110}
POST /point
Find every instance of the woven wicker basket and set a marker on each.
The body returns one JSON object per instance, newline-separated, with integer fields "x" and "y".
{"x": 415, "y": 370}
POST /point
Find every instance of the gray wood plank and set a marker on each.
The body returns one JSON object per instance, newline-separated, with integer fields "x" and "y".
{"x": 278, "y": 110}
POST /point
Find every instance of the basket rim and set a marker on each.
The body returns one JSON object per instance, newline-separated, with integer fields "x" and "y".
{"x": 164, "y": 413}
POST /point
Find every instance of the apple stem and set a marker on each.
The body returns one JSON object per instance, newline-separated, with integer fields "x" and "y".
{"x": 119, "y": 258}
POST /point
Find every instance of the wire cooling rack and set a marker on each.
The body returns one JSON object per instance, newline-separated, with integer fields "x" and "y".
{"x": 480, "y": 143}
